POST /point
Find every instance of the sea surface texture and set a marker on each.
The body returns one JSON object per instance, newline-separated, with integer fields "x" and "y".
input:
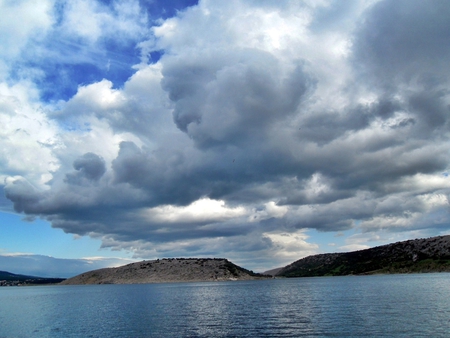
{"x": 416, "y": 305}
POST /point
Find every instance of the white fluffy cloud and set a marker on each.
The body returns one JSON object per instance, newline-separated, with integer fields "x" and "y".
{"x": 200, "y": 211}
{"x": 27, "y": 137}
{"x": 21, "y": 21}
{"x": 92, "y": 20}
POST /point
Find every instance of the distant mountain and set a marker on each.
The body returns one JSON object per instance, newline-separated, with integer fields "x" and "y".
{"x": 272, "y": 272}
{"x": 419, "y": 255}
{"x": 5, "y": 275}
{"x": 167, "y": 270}
{"x": 8, "y": 278}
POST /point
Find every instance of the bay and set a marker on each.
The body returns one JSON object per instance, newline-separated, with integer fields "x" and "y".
{"x": 415, "y": 305}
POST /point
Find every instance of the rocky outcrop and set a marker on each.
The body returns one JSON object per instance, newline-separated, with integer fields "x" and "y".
{"x": 167, "y": 270}
{"x": 420, "y": 255}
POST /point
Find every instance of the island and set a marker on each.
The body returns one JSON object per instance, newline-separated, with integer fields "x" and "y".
{"x": 168, "y": 270}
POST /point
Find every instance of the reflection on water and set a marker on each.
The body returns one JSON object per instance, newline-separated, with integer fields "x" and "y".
{"x": 395, "y": 306}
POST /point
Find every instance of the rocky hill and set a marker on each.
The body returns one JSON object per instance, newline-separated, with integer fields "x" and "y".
{"x": 167, "y": 270}
{"x": 420, "y": 255}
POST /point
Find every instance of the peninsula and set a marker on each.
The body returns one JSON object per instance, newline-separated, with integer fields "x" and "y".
{"x": 413, "y": 256}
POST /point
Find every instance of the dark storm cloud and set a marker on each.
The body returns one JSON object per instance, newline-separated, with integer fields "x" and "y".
{"x": 230, "y": 98}
{"x": 403, "y": 41}
{"x": 324, "y": 127}
{"x": 173, "y": 176}
{"x": 431, "y": 107}
{"x": 89, "y": 166}
{"x": 402, "y": 50}
{"x": 22, "y": 194}
{"x": 167, "y": 178}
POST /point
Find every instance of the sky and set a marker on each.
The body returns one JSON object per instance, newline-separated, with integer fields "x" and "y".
{"x": 259, "y": 131}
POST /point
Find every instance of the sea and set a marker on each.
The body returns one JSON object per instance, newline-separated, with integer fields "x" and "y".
{"x": 410, "y": 305}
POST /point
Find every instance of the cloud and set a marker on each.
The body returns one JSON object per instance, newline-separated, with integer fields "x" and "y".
{"x": 89, "y": 166}
{"x": 27, "y": 136}
{"x": 23, "y": 20}
{"x": 291, "y": 246}
{"x": 201, "y": 211}
{"x": 405, "y": 39}
{"x": 91, "y": 20}
{"x": 256, "y": 121}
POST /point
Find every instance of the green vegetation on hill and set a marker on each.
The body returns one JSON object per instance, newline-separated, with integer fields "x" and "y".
{"x": 413, "y": 256}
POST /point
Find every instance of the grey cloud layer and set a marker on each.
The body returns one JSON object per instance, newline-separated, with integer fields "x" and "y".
{"x": 250, "y": 125}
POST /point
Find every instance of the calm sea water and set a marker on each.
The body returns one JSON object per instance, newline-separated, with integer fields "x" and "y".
{"x": 365, "y": 306}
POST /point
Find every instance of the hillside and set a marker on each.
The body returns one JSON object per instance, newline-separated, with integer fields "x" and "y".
{"x": 167, "y": 270}
{"x": 8, "y": 279}
{"x": 420, "y": 255}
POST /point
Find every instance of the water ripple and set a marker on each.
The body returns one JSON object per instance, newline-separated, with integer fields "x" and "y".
{"x": 369, "y": 306}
